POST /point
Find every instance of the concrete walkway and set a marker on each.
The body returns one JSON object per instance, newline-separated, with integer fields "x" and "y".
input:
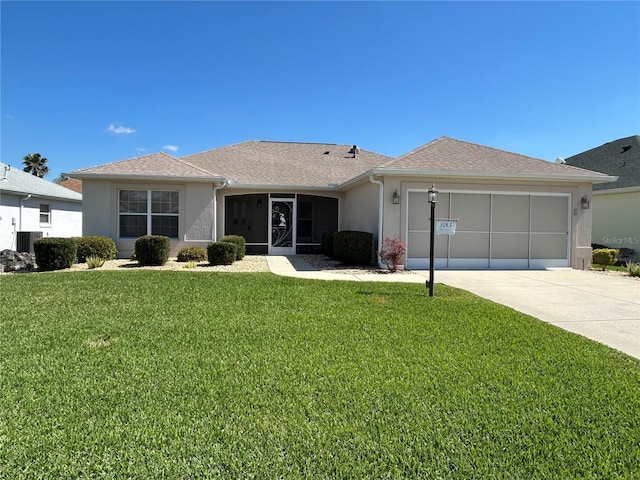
{"x": 600, "y": 307}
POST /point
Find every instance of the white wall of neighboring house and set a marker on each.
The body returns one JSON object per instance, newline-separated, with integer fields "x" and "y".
{"x": 22, "y": 214}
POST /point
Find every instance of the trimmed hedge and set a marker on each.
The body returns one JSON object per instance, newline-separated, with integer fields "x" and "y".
{"x": 327, "y": 244}
{"x": 54, "y": 253}
{"x": 239, "y": 242}
{"x": 222, "y": 253}
{"x": 353, "y": 248}
{"x": 192, "y": 254}
{"x": 101, "y": 247}
{"x": 152, "y": 249}
{"x": 605, "y": 256}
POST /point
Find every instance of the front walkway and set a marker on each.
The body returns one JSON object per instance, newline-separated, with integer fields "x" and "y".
{"x": 600, "y": 307}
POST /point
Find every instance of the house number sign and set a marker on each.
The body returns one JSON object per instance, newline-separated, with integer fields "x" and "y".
{"x": 446, "y": 226}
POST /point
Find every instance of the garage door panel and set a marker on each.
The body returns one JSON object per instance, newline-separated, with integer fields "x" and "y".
{"x": 418, "y": 245}
{"x": 550, "y": 246}
{"x": 509, "y": 245}
{"x": 472, "y": 210}
{"x": 470, "y": 245}
{"x": 549, "y": 214}
{"x": 510, "y": 213}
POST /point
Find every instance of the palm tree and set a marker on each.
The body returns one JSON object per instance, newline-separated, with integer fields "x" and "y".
{"x": 35, "y": 164}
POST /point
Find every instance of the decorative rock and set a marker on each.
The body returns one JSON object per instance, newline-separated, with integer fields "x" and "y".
{"x": 11, "y": 261}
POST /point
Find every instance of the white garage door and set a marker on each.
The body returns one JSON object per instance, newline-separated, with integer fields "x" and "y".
{"x": 495, "y": 230}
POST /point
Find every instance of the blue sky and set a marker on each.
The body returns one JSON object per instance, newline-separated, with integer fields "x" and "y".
{"x": 86, "y": 83}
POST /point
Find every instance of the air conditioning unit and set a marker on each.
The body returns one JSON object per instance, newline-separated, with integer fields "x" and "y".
{"x": 24, "y": 241}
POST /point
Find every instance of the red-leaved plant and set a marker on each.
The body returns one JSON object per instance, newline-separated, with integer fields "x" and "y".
{"x": 393, "y": 252}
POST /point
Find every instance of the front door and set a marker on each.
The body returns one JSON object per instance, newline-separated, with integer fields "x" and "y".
{"x": 281, "y": 227}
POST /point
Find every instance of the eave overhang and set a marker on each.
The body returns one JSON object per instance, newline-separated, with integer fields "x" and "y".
{"x": 433, "y": 174}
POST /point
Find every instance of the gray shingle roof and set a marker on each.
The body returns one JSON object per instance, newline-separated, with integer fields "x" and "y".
{"x": 321, "y": 165}
{"x": 449, "y": 155}
{"x": 620, "y": 158}
{"x": 286, "y": 163}
{"x": 157, "y": 164}
{"x": 22, "y": 183}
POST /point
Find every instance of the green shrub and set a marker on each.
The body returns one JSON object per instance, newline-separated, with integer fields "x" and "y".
{"x": 634, "y": 269}
{"x": 327, "y": 244}
{"x": 54, "y": 253}
{"x": 152, "y": 249}
{"x": 239, "y": 242}
{"x": 102, "y": 247}
{"x": 222, "y": 253}
{"x": 94, "y": 262}
{"x": 353, "y": 248}
{"x": 605, "y": 256}
{"x": 192, "y": 254}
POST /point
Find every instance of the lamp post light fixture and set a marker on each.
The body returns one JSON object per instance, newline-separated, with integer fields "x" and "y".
{"x": 433, "y": 199}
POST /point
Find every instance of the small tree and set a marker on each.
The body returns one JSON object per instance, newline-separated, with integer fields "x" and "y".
{"x": 393, "y": 253}
{"x": 35, "y": 164}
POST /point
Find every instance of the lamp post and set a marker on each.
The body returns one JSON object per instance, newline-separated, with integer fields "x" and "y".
{"x": 433, "y": 199}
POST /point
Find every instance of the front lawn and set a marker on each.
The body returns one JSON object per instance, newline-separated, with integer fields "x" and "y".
{"x": 151, "y": 374}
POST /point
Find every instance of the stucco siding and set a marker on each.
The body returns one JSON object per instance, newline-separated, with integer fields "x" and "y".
{"x": 360, "y": 211}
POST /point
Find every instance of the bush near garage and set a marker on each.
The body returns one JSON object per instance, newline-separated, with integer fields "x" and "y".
{"x": 53, "y": 253}
{"x": 239, "y": 242}
{"x": 222, "y": 253}
{"x": 605, "y": 257}
{"x": 353, "y": 247}
{"x": 95, "y": 246}
{"x": 152, "y": 250}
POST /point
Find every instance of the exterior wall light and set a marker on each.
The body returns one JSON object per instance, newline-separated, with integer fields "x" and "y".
{"x": 584, "y": 202}
{"x": 396, "y": 198}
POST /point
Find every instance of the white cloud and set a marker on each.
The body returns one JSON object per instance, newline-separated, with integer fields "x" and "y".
{"x": 173, "y": 148}
{"x": 120, "y": 130}
{"x": 10, "y": 117}
{"x": 140, "y": 149}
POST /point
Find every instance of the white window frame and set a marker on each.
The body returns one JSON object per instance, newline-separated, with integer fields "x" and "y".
{"x": 149, "y": 211}
{"x": 47, "y": 213}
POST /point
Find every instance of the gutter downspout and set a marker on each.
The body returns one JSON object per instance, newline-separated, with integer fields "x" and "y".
{"x": 214, "y": 229}
{"x": 380, "y": 216}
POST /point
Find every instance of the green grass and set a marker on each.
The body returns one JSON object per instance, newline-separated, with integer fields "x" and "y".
{"x": 150, "y": 374}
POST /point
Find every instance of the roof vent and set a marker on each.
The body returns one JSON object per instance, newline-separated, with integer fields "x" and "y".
{"x": 354, "y": 151}
{"x": 6, "y": 170}
{"x": 626, "y": 148}
{"x": 561, "y": 160}
{"x": 327, "y": 152}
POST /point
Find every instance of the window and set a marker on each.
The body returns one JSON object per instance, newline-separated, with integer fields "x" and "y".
{"x": 145, "y": 212}
{"x": 45, "y": 213}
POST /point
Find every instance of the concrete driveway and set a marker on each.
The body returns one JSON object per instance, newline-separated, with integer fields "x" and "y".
{"x": 600, "y": 307}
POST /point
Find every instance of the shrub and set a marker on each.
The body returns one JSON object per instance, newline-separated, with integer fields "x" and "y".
{"x": 605, "y": 256}
{"x": 353, "y": 248}
{"x": 626, "y": 255}
{"x": 94, "y": 262}
{"x": 192, "y": 254}
{"x": 239, "y": 242}
{"x": 327, "y": 244}
{"x": 393, "y": 253}
{"x": 634, "y": 269}
{"x": 54, "y": 253}
{"x": 102, "y": 247}
{"x": 222, "y": 253}
{"x": 152, "y": 249}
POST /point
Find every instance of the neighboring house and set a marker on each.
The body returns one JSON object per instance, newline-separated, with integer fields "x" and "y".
{"x": 72, "y": 184}
{"x": 514, "y": 211}
{"x": 616, "y": 205}
{"x": 31, "y": 207}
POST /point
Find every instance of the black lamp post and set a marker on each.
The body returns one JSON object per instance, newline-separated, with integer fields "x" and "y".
{"x": 433, "y": 199}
